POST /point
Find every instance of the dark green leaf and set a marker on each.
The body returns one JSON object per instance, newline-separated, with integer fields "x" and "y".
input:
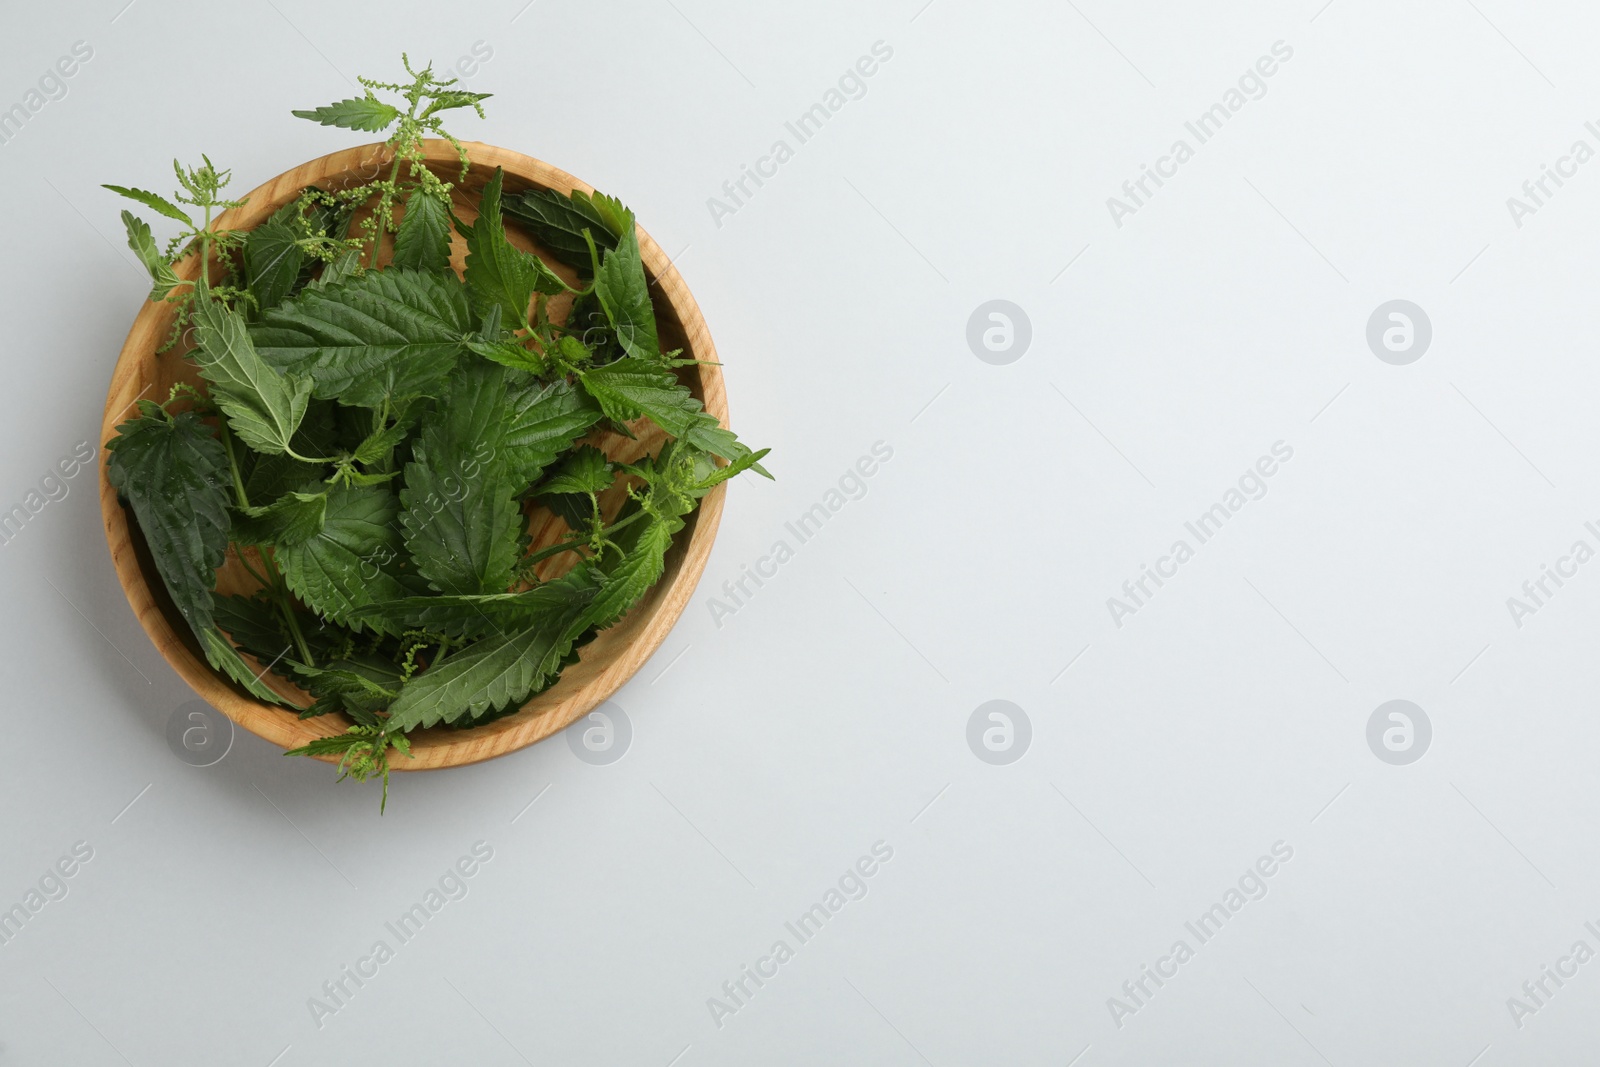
{"x": 625, "y": 295}
{"x": 384, "y": 334}
{"x": 499, "y": 669}
{"x": 351, "y": 561}
{"x": 558, "y": 222}
{"x": 543, "y": 423}
{"x": 290, "y": 520}
{"x": 174, "y": 474}
{"x": 474, "y": 616}
{"x": 461, "y": 517}
{"x": 273, "y": 257}
{"x": 499, "y": 274}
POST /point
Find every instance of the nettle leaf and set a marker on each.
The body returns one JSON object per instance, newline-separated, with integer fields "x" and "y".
{"x": 625, "y": 295}
{"x": 350, "y": 562}
{"x": 501, "y": 669}
{"x": 357, "y": 113}
{"x": 383, "y": 334}
{"x": 499, "y": 274}
{"x": 263, "y": 407}
{"x": 461, "y": 519}
{"x": 508, "y": 353}
{"x": 630, "y": 573}
{"x": 585, "y": 470}
{"x": 543, "y": 422}
{"x": 632, "y": 387}
{"x": 162, "y": 279}
{"x": 152, "y": 201}
{"x": 454, "y": 98}
{"x": 558, "y": 223}
{"x": 347, "y": 265}
{"x": 174, "y": 475}
{"x": 475, "y": 616}
{"x": 290, "y": 520}
{"x": 423, "y": 240}
{"x": 273, "y": 257}
{"x": 362, "y": 683}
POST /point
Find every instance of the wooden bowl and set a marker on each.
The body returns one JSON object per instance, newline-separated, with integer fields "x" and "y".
{"x": 606, "y": 662}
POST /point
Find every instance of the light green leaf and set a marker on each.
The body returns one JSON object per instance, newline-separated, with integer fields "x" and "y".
{"x": 499, "y": 669}
{"x": 461, "y": 517}
{"x": 585, "y": 470}
{"x": 162, "y": 278}
{"x": 351, "y": 561}
{"x": 263, "y": 407}
{"x": 357, "y": 113}
{"x": 151, "y": 200}
{"x": 508, "y": 353}
{"x": 499, "y": 274}
{"x": 423, "y": 241}
{"x": 384, "y": 334}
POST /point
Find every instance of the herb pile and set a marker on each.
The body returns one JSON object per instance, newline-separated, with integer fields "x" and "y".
{"x": 376, "y": 433}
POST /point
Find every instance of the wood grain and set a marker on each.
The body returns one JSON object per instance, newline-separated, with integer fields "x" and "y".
{"x": 606, "y": 663}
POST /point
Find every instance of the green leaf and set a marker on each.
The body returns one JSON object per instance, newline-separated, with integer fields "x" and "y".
{"x": 290, "y": 520}
{"x": 151, "y": 200}
{"x": 633, "y": 387}
{"x": 273, "y": 257}
{"x": 350, "y": 562}
{"x": 461, "y": 517}
{"x": 361, "y": 683}
{"x": 263, "y": 407}
{"x": 500, "y": 669}
{"x": 174, "y": 474}
{"x": 543, "y": 422}
{"x": 384, "y": 334}
{"x": 630, "y": 574}
{"x": 625, "y": 295}
{"x": 508, "y": 353}
{"x": 347, "y": 265}
{"x": 585, "y": 470}
{"x": 225, "y": 658}
{"x": 357, "y": 113}
{"x": 162, "y": 279}
{"x": 423, "y": 241}
{"x": 453, "y": 98}
{"x": 498, "y": 274}
{"x": 474, "y": 616}
{"x": 558, "y": 222}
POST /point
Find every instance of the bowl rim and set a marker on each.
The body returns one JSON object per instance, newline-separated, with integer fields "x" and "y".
{"x": 618, "y": 652}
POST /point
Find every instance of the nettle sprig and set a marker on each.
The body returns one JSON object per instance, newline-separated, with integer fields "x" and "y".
{"x": 426, "y": 98}
{"x": 379, "y": 436}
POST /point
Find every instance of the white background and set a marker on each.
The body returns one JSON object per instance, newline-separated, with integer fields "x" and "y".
{"x": 830, "y": 712}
